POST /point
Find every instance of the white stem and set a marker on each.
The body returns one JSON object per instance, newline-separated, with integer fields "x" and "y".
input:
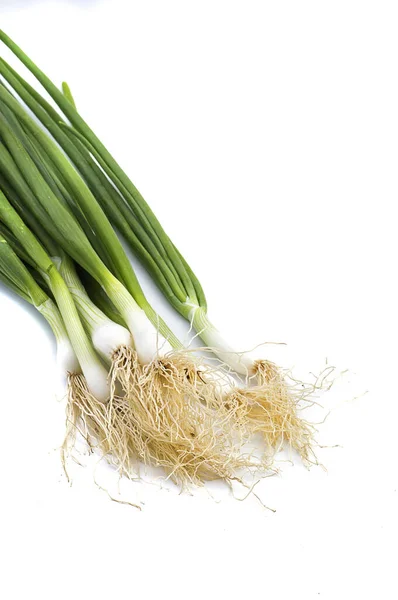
{"x": 95, "y": 373}
{"x": 108, "y": 337}
{"x": 97, "y": 380}
{"x": 66, "y": 357}
{"x": 67, "y": 362}
{"x": 148, "y": 342}
{"x": 240, "y": 362}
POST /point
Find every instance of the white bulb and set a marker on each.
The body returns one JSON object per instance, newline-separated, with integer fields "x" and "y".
{"x": 66, "y": 358}
{"x": 148, "y": 342}
{"x": 97, "y": 381}
{"x": 109, "y": 337}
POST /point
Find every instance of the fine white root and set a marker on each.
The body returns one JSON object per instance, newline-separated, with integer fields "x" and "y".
{"x": 168, "y": 415}
{"x": 164, "y": 417}
{"x": 271, "y": 407}
{"x": 175, "y": 424}
{"x": 105, "y": 427}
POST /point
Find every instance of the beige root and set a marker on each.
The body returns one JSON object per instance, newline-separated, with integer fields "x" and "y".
{"x": 174, "y": 423}
{"x": 271, "y": 407}
{"x": 170, "y": 414}
{"x": 106, "y": 427}
{"x": 165, "y": 417}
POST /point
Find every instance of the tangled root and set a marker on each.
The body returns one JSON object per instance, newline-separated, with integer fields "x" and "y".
{"x": 123, "y": 370}
{"x": 106, "y": 427}
{"x": 271, "y": 408}
{"x": 169, "y": 415}
{"x": 174, "y": 422}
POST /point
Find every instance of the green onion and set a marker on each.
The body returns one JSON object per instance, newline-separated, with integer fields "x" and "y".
{"x": 70, "y": 191}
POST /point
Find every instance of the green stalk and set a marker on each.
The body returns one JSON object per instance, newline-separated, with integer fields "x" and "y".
{"x": 67, "y": 93}
{"x": 89, "y": 205}
{"x": 146, "y": 246}
{"x": 24, "y": 199}
{"x": 52, "y": 163}
{"x": 12, "y": 286}
{"x": 118, "y": 176}
{"x": 126, "y": 204}
{"x": 90, "y": 314}
{"x": 98, "y": 296}
{"x": 72, "y": 239}
{"x": 107, "y": 336}
{"x": 24, "y": 257}
{"x": 194, "y": 306}
{"x": 53, "y": 179}
{"x": 14, "y": 243}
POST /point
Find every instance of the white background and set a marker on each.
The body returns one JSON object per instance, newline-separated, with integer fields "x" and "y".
{"x": 265, "y": 137}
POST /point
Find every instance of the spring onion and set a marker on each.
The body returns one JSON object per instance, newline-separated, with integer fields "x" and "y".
{"x": 72, "y": 194}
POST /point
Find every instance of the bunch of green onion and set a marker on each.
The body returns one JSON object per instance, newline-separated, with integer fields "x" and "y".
{"x": 63, "y": 199}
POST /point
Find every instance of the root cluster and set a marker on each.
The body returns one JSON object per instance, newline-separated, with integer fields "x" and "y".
{"x": 163, "y": 418}
{"x": 167, "y": 414}
{"x": 271, "y": 407}
{"x": 105, "y": 427}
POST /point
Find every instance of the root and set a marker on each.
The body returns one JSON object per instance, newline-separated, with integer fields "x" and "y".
{"x": 169, "y": 414}
{"x": 105, "y": 427}
{"x": 175, "y": 424}
{"x": 124, "y": 367}
{"x": 271, "y": 407}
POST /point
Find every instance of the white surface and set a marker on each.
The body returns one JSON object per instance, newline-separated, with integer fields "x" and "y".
{"x": 264, "y": 135}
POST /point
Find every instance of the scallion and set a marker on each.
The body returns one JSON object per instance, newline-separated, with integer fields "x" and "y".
{"x": 69, "y": 189}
